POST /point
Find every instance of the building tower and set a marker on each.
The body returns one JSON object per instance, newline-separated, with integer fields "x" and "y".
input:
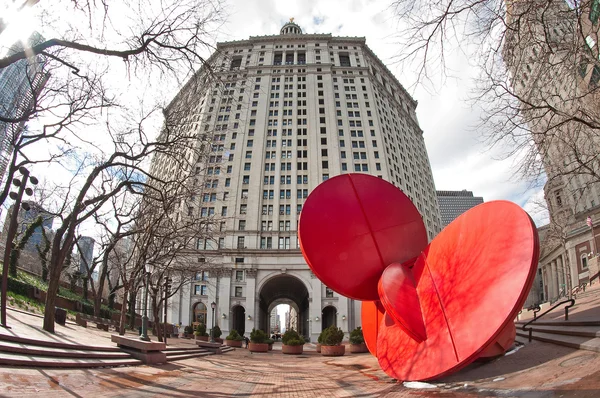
{"x": 454, "y": 203}
{"x": 20, "y": 83}
{"x": 551, "y": 53}
{"x": 285, "y": 113}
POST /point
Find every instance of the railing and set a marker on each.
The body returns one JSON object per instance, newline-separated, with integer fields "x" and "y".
{"x": 535, "y": 318}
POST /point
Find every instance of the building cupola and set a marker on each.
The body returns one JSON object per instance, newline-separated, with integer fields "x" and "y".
{"x": 290, "y": 28}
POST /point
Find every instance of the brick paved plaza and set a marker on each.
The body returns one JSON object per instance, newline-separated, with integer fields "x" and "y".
{"x": 537, "y": 370}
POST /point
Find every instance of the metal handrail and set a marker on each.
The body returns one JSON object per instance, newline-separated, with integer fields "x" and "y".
{"x": 530, "y": 330}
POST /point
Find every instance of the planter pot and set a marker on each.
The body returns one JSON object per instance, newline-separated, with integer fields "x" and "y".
{"x": 318, "y": 347}
{"x": 258, "y": 347}
{"x": 218, "y": 340}
{"x": 292, "y": 349}
{"x": 333, "y": 350}
{"x": 358, "y": 348}
{"x": 202, "y": 338}
{"x": 234, "y": 343}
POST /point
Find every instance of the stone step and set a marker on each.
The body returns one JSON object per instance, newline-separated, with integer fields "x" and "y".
{"x": 179, "y": 357}
{"x": 185, "y": 351}
{"x": 578, "y": 342}
{"x": 54, "y": 344}
{"x": 226, "y": 348}
{"x": 26, "y": 349}
{"x": 8, "y": 359}
{"x": 522, "y": 340}
{"x": 518, "y": 324}
{"x": 583, "y": 331}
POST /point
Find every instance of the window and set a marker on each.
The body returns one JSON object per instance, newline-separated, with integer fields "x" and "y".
{"x": 240, "y": 242}
{"x": 238, "y": 291}
{"x": 328, "y": 292}
{"x": 239, "y": 275}
{"x": 584, "y": 263}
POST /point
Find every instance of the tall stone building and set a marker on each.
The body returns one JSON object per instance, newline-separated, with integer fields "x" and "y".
{"x": 551, "y": 53}
{"x": 284, "y": 113}
{"x": 454, "y": 203}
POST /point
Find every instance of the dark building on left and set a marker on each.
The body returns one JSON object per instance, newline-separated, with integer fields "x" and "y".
{"x": 20, "y": 84}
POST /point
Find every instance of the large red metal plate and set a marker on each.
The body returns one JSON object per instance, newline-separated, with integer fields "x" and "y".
{"x": 471, "y": 282}
{"x": 352, "y": 227}
{"x": 372, "y": 312}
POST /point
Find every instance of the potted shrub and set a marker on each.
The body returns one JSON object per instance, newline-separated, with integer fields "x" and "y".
{"x": 293, "y": 343}
{"x": 357, "y": 341}
{"x": 234, "y": 339}
{"x": 319, "y": 341}
{"x": 270, "y": 342}
{"x": 257, "y": 341}
{"x": 188, "y": 331}
{"x": 216, "y": 334}
{"x": 201, "y": 332}
{"x": 331, "y": 344}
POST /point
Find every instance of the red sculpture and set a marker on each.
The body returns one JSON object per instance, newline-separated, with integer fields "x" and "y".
{"x": 428, "y": 310}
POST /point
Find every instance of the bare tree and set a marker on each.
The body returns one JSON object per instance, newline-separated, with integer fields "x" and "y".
{"x": 539, "y": 79}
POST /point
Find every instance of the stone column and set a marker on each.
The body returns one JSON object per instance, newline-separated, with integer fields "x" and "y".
{"x": 185, "y": 305}
{"x": 315, "y": 308}
{"x": 223, "y": 301}
{"x": 250, "y": 294}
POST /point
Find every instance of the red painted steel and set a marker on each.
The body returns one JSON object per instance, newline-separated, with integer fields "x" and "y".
{"x": 352, "y": 227}
{"x": 446, "y": 303}
{"x": 372, "y": 312}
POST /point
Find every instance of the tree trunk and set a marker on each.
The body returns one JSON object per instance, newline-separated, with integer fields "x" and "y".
{"x": 51, "y": 294}
{"x": 132, "y": 301}
{"x": 156, "y": 318}
{"x": 123, "y": 318}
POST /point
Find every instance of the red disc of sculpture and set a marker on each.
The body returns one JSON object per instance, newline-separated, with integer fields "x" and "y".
{"x": 471, "y": 282}
{"x": 352, "y": 227}
{"x": 441, "y": 306}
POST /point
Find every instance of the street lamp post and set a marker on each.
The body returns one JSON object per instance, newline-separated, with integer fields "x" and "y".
{"x": 12, "y": 230}
{"x": 144, "y": 335}
{"x": 167, "y": 287}
{"x": 213, "y": 305}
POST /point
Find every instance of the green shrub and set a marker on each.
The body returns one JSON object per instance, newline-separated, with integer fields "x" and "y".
{"x": 269, "y": 341}
{"x": 216, "y": 332}
{"x": 234, "y": 335}
{"x": 19, "y": 287}
{"x": 201, "y": 330}
{"x": 189, "y": 329}
{"x": 258, "y": 336}
{"x": 332, "y": 336}
{"x": 356, "y": 336}
{"x": 291, "y": 337}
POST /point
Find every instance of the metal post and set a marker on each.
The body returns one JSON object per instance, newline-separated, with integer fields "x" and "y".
{"x": 212, "y": 336}
{"x": 165, "y": 308}
{"x": 144, "y": 335}
{"x": 12, "y": 230}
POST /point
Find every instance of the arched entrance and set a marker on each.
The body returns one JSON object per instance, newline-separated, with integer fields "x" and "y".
{"x": 199, "y": 313}
{"x": 329, "y": 316}
{"x": 284, "y": 289}
{"x": 238, "y": 319}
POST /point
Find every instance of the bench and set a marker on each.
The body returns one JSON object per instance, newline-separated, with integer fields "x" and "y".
{"x": 101, "y": 323}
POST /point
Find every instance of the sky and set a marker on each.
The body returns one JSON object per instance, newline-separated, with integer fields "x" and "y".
{"x": 458, "y": 158}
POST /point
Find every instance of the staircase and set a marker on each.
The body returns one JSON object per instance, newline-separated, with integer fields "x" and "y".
{"x": 19, "y": 351}
{"x": 179, "y": 353}
{"x": 583, "y": 335}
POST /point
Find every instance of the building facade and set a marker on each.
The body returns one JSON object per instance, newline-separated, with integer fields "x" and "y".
{"x": 454, "y": 203}
{"x": 552, "y": 57}
{"x": 284, "y": 113}
{"x": 20, "y": 83}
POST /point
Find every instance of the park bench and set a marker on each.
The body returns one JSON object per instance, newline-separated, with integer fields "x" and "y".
{"x": 101, "y": 323}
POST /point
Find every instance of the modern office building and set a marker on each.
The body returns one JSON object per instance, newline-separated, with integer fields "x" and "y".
{"x": 285, "y": 113}
{"x": 454, "y": 203}
{"x": 19, "y": 84}
{"x": 551, "y": 53}
{"x": 85, "y": 248}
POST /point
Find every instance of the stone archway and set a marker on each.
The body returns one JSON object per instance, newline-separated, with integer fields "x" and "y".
{"x": 199, "y": 313}
{"x": 329, "y": 316}
{"x": 238, "y": 319}
{"x": 284, "y": 289}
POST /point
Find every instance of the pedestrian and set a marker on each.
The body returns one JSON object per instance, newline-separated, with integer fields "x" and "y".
{"x": 247, "y": 340}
